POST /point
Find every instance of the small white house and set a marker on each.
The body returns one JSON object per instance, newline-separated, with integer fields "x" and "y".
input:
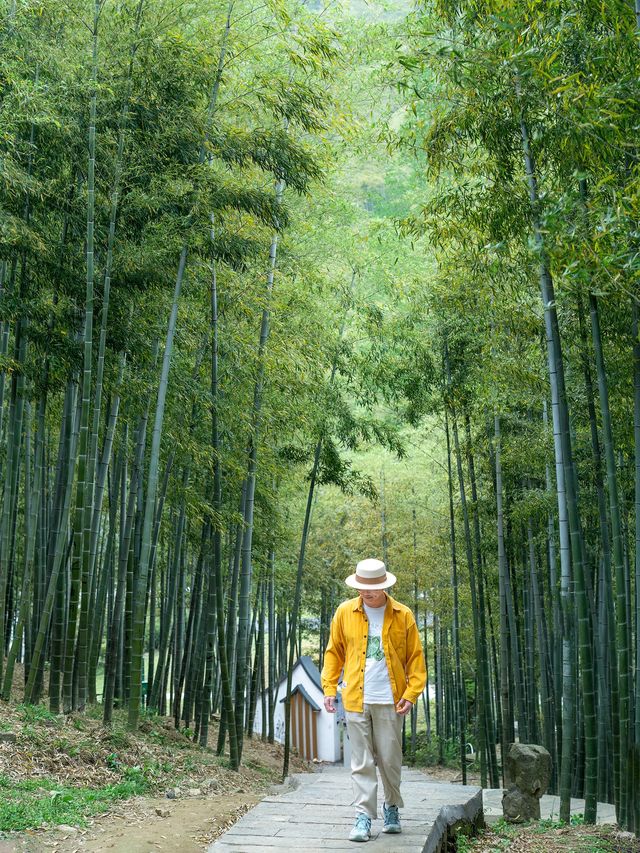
{"x": 314, "y": 732}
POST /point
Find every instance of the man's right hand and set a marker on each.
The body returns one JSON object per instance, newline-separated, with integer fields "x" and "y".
{"x": 330, "y": 704}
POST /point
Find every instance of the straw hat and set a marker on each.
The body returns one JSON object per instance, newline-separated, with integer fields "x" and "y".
{"x": 371, "y": 574}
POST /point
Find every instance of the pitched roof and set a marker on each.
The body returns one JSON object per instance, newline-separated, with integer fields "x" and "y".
{"x": 311, "y": 669}
{"x": 299, "y": 688}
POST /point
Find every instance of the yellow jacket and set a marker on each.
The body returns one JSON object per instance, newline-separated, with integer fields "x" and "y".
{"x": 347, "y": 649}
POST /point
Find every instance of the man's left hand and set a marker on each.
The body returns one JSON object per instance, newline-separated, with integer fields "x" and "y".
{"x": 403, "y": 707}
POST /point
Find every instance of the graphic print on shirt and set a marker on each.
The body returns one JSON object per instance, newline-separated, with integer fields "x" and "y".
{"x": 374, "y": 648}
{"x": 377, "y": 686}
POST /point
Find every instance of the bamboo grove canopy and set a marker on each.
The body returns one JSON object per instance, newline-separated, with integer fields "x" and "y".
{"x": 283, "y": 285}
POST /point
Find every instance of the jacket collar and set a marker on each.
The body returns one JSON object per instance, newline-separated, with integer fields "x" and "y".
{"x": 357, "y": 603}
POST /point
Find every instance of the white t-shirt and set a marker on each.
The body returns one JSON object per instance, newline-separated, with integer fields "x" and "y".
{"x": 377, "y": 686}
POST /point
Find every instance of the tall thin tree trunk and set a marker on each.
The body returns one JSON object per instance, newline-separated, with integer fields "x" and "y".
{"x": 152, "y": 484}
{"x": 216, "y": 591}
{"x": 494, "y": 779}
{"x": 622, "y": 628}
{"x": 556, "y": 371}
{"x": 507, "y": 728}
{"x": 460, "y": 703}
{"x": 480, "y": 648}
{"x": 252, "y": 454}
{"x": 636, "y": 435}
{"x": 297, "y": 597}
{"x": 60, "y": 555}
{"x": 75, "y": 668}
{"x": 12, "y": 479}
{"x": 30, "y": 521}
{"x": 271, "y": 610}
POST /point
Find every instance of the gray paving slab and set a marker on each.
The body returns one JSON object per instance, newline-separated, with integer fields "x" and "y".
{"x": 317, "y": 815}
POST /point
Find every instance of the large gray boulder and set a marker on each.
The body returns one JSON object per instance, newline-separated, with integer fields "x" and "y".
{"x": 528, "y": 772}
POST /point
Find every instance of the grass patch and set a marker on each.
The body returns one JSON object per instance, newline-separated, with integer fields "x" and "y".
{"x": 548, "y": 836}
{"x": 36, "y": 802}
{"x": 37, "y": 714}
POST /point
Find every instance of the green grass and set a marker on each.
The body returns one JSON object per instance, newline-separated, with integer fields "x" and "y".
{"x": 35, "y": 802}
{"x": 556, "y": 823}
{"x": 539, "y": 836}
{"x": 37, "y": 714}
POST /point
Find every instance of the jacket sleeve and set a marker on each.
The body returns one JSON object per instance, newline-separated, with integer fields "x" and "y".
{"x": 333, "y": 658}
{"x": 415, "y": 666}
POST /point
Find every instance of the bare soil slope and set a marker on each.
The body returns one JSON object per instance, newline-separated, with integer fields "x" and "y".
{"x": 189, "y": 795}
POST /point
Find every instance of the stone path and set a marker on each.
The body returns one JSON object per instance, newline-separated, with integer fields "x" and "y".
{"x": 549, "y": 807}
{"x": 317, "y": 816}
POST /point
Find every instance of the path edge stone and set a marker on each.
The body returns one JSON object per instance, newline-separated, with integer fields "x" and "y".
{"x": 450, "y": 819}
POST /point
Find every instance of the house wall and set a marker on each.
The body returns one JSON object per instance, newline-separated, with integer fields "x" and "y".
{"x": 329, "y": 748}
{"x": 328, "y": 734}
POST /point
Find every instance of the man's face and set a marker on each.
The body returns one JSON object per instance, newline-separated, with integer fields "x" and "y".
{"x": 373, "y": 597}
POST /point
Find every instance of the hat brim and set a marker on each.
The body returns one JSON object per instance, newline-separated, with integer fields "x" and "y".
{"x": 385, "y": 584}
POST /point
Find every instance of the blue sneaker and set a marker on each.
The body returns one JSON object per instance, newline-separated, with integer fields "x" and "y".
{"x": 361, "y": 829}
{"x": 391, "y": 819}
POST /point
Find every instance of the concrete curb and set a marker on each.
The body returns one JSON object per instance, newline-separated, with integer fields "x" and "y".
{"x": 450, "y": 819}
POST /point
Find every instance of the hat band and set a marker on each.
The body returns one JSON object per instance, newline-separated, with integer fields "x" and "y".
{"x": 379, "y": 579}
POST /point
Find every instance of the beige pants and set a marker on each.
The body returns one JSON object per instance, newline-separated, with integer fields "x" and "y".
{"x": 376, "y": 737}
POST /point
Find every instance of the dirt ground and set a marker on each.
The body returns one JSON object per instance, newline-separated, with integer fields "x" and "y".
{"x": 205, "y": 796}
{"x": 449, "y": 774}
{"x": 186, "y": 824}
{"x": 149, "y": 824}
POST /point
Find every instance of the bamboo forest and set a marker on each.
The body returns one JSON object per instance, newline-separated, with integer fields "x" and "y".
{"x": 287, "y": 284}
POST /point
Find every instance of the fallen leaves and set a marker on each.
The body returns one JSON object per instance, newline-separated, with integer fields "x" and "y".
{"x": 534, "y": 838}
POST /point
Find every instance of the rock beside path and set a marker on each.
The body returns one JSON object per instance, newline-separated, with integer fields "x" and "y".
{"x": 528, "y": 770}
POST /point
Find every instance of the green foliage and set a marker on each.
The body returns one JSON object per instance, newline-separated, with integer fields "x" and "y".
{"x": 405, "y": 230}
{"x": 34, "y": 803}
{"x": 553, "y": 823}
{"x": 37, "y": 714}
{"x": 508, "y": 117}
{"x": 429, "y": 749}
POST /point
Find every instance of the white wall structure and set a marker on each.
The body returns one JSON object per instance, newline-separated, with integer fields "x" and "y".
{"x": 316, "y": 733}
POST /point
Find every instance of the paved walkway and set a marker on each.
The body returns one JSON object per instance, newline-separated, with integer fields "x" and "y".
{"x": 317, "y": 816}
{"x": 549, "y": 807}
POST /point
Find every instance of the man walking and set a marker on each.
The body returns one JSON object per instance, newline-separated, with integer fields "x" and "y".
{"x": 375, "y": 641}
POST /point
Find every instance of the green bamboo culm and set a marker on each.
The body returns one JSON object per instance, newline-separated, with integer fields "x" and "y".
{"x": 152, "y": 482}
{"x": 460, "y": 699}
{"x": 625, "y": 731}
{"x": 12, "y": 479}
{"x": 584, "y": 631}
{"x": 249, "y": 498}
{"x": 75, "y": 668}
{"x": 137, "y": 639}
{"x": 216, "y": 591}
